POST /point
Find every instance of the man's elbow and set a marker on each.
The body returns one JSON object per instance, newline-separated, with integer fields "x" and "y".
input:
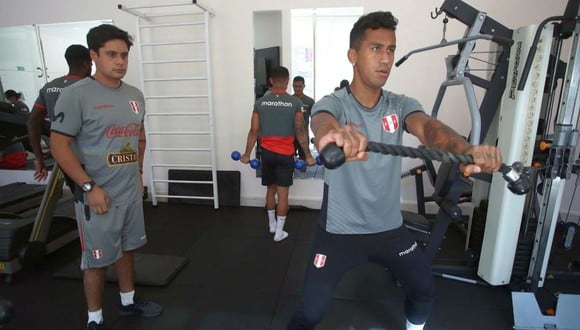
{"x": 36, "y": 118}
{"x": 254, "y": 131}
{"x": 57, "y": 142}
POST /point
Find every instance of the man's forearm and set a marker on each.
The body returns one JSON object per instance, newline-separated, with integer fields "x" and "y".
{"x": 302, "y": 138}
{"x": 142, "y": 145}
{"x": 33, "y": 126}
{"x": 250, "y": 142}
{"x": 441, "y": 137}
{"x": 68, "y": 161}
{"x": 322, "y": 123}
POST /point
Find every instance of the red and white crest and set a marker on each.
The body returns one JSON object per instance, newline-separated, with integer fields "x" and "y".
{"x": 134, "y": 106}
{"x": 391, "y": 123}
{"x": 319, "y": 260}
{"x": 97, "y": 254}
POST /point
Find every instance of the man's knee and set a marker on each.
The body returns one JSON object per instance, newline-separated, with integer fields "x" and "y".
{"x": 314, "y": 305}
{"x": 302, "y": 321}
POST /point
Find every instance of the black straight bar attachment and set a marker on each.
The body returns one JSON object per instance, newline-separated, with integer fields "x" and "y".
{"x": 516, "y": 175}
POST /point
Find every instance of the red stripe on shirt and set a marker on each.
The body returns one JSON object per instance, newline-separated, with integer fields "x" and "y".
{"x": 40, "y": 106}
{"x": 283, "y": 145}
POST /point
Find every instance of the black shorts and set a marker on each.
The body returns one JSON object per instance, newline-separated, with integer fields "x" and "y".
{"x": 277, "y": 169}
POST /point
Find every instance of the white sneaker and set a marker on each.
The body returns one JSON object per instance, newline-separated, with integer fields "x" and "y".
{"x": 283, "y": 235}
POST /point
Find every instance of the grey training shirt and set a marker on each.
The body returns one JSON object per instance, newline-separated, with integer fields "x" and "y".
{"x": 363, "y": 197}
{"x": 106, "y": 124}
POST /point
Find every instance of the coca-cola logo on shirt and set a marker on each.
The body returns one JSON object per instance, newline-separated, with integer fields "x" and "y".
{"x": 131, "y": 129}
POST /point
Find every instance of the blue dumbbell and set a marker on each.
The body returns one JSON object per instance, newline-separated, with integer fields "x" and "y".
{"x": 319, "y": 160}
{"x": 254, "y": 163}
{"x": 299, "y": 164}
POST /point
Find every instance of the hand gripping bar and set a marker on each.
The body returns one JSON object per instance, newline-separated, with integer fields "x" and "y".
{"x": 516, "y": 175}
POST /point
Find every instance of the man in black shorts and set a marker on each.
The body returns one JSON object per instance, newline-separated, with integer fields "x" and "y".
{"x": 277, "y": 118}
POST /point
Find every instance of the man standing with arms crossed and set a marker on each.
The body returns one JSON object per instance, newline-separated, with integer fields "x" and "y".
{"x": 104, "y": 117}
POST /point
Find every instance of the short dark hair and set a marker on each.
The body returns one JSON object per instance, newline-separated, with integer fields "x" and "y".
{"x": 279, "y": 73}
{"x": 298, "y": 78}
{"x": 11, "y": 93}
{"x": 76, "y": 55}
{"x": 374, "y": 20}
{"x": 99, "y": 35}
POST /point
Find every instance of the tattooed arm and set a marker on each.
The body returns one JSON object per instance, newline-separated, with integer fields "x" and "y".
{"x": 435, "y": 135}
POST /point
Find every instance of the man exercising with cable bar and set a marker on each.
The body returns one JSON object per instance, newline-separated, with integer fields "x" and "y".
{"x": 360, "y": 219}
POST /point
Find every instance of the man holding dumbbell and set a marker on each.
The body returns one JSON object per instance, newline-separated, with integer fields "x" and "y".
{"x": 277, "y": 119}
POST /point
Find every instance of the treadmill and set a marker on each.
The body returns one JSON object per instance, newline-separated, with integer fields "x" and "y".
{"x": 35, "y": 219}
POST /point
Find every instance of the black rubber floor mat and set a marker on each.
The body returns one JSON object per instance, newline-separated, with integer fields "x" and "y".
{"x": 150, "y": 269}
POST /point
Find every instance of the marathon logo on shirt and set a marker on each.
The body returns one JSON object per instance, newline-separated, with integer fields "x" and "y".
{"x": 390, "y": 123}
{"x": 126, "y": 156}
{"x": 277, "y": 104}
{"x": 57, "y": 90}
{"x": 319, "y": 260}
{"x": 134, "y": 107}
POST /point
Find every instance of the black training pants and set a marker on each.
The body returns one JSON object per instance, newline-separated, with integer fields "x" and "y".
{"x": 333, "y": 255}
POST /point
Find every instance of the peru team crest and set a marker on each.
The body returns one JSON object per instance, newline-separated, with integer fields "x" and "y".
{"x": 134, "y": 106}
{"x": 97, "y": 254}
{"x": 391, "y": 123}
{"x": 319, "y": 260}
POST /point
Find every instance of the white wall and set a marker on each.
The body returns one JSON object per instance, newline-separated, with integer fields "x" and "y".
{"x": 232, "y": 55}
{"x": 267, "y": 29}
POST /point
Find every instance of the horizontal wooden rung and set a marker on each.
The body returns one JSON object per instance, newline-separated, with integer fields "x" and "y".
{"x": 192, "y": 60}
{"x": 178, "y": 133}
{"x": 187, "y": 197}
{"x": 173, "y": 79}
{"x": 177, "y": 166}
{"x": 183, "y": 181}
{"x": 179, "y": 149}
{"x": 170, "y": 25}
{"x": 166, "y": 97}
{"x": 168, "y": 114}
{"x": 173, "y": 43}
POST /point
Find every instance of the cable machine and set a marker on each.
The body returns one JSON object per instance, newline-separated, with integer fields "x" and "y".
{"x": 558, "y": 162}
{"x": 525, "y": 132}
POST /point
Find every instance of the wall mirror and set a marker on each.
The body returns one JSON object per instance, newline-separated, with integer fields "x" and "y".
{"x": 310, "y": 42}
{"x": 32, "y": 55}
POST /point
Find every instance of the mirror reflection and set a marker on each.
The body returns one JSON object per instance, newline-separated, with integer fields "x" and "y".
{"x": 312, "y": 43}
{"x": 34, "y": 54}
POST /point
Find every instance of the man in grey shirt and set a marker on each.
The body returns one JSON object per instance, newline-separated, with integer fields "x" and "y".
{"x": 360, "y": 219}
{"x": 298, "y": 85}
{"x": 79, "y": 64}
{"x": 104, "y": 117}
